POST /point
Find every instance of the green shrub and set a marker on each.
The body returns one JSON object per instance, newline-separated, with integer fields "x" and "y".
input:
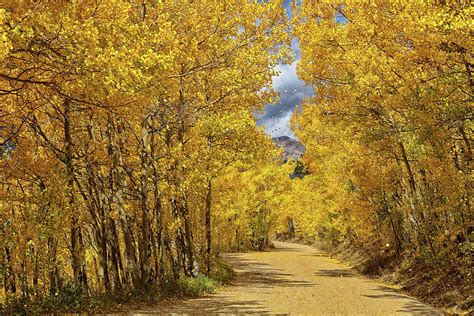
{"x": 222, "y": 272}
{"x": 197, "y": 286}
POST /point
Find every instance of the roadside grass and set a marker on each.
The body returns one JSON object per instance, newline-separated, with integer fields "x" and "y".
{"x": 72, "y": 299}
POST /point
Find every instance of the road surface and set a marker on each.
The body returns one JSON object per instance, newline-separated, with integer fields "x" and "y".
{"x": 298, "y": 280}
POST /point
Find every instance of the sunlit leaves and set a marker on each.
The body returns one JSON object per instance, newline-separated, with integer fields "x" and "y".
{"x": 121, "y": 114}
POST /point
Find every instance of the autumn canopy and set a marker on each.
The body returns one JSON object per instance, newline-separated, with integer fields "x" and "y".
{"x": 130, "y": 155}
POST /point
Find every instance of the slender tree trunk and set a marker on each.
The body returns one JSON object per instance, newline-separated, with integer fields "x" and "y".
{"x": 53, "y": 269}
{"x": 291, "y": 227}
{"x": 159, "y": 265}
{"x": 417, "y": 201}
{"x": 398, "y": 242}
{"x": 411, "y": 178}
{"x": 98, "y": 207}
{"x": 208, "y": 225}
{"x": 183, "y": 203}
{"x": 23, "y": 278}
{"x": 115, "y": 254}
{"x": 36, "y": 271}
{"x": 10, "y": 279}
{"x": 145, "y": 247}
{"x": 103, "y": 259}
{"x": 77, "y": 244}
{"x": 157, "y": 212}
{"x": 131, "y": 265}
{"x": 188, "y": 233}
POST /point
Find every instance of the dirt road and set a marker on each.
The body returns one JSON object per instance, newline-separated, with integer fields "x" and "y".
{"x": 297, "y": 279}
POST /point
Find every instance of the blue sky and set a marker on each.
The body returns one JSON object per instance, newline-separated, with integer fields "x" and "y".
{"x": 276, "y": 117}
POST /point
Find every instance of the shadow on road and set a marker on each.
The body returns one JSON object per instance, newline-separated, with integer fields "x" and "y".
{"x": 206, "y": 306}
{"x": 411, "y": 307}
{"x": 387, "y": 292}
{"x": 317, "y": 255}
{"x": 416, "y": 308}
{"x": 335, "y": 273}
{"x": 286, "y": 249}
{"x": 258, "y": 274}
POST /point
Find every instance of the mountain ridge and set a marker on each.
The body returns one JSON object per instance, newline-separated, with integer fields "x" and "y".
{"x": 291, "y": 147}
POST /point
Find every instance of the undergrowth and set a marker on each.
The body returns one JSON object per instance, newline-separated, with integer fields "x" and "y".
{"x": 74, "y": 299}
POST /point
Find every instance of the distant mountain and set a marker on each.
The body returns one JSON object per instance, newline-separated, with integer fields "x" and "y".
{"x": 291, "y": 147}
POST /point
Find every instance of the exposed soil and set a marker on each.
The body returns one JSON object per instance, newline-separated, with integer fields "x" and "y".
{"x": 296, "y": 279}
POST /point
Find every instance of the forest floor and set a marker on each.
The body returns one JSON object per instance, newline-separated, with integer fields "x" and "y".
{"x": 296, "y": 279}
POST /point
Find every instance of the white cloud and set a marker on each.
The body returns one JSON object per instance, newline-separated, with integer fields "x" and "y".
{"x": 287, "y": 77}
{"x": 276, "y": 117}
{"x": 279, "y": 126}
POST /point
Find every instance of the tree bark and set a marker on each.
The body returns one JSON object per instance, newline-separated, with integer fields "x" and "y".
{"x": 208, "y": 226}
{"x": 131, "y": 265}
{"x": 53, "y": 269}
{"x": 158, "y": 213}
{"x": 77, "y": 244}
{"x": 145, "y": 245}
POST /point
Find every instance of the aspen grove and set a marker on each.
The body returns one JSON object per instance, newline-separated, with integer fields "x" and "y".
{"x": 118, "y": 120}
